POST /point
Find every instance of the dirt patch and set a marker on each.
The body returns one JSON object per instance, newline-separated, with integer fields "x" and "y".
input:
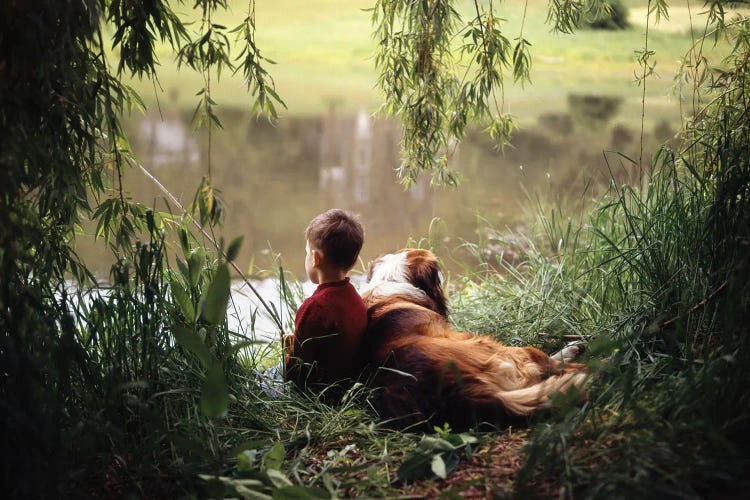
{"x": 488, "y": 474}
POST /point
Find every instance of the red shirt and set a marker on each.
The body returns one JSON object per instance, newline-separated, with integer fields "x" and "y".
{"x": 328, "y": 331}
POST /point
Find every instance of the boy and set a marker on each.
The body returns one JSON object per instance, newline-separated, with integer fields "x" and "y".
{"x": 329, "y": 327}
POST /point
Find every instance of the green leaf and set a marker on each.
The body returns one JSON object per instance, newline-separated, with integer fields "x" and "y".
{"x": 274, "y": 457}
{"x": 184, "y": 241}
{"x": 190, "y": 341}
{"x": 438, "y": 466}
{"x": 251, "y": 444}
{"x": 432, "y": 443}
{"x": 214, "y": 308}
{"x": 415, "y": 466}
{"x": 234, "y": 248}
{"x": 195, "y": 265}
{"x": 451, "y": 461}
{"x": 182, "y": 298}
{"x": 214, "y": 391}
{"x": 183, "y": 267}
{"x": 278, "y": 478}
{"x": 460, "y": 440}
{"x": 246, "y": 460}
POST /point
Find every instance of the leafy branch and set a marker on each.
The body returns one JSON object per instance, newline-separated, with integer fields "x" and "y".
{"x": 435, "y": 87}
{"x": 425, "y": 83}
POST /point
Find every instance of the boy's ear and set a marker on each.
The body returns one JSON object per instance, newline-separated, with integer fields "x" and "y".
{"x": 317, "y": 257}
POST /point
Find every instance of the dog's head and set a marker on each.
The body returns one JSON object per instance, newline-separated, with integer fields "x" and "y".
{"x": 411, "y": 272}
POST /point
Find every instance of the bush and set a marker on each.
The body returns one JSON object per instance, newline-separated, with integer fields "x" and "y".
{"x": 615, "y": 19}
{"x": 593, "y": 112}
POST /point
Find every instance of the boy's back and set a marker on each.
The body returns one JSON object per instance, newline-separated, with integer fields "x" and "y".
{"x": 329, "y": 328}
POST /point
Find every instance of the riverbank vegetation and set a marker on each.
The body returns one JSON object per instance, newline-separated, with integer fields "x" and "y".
{"x": 138, "y": 386}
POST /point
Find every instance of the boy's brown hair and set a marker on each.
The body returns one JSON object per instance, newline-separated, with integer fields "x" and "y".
{"x": 339, "y": 235}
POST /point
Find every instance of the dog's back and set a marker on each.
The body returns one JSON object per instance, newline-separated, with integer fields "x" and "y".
{"x": 425, "y": 371}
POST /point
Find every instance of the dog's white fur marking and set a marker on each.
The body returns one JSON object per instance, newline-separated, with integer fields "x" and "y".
{"x": 390, "y": 277}
{"x": 391, "y": 267}
{"x": 388, "y": 288}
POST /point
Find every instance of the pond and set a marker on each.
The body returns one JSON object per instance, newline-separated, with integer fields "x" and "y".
{"x": 275, "y": 177}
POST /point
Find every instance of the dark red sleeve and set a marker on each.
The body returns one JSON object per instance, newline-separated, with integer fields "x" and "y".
{"x": 307, "y": 325}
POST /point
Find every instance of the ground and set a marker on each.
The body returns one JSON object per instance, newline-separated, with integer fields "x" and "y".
{"x": 488, "y": 473}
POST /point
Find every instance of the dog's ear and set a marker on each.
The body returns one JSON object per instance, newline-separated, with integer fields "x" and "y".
{"x": 425, "y": 275}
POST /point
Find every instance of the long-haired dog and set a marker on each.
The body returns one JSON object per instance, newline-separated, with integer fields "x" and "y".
{"x": 427, "y": 372}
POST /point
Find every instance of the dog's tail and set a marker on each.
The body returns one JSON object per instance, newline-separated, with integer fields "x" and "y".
{"x": 529, "y": 399}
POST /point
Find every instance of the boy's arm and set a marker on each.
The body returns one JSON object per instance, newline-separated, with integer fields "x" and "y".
{"x": 299, "y": 349}
{"x": 287, "y": 342}
{"x": 307, "y": 324}
{"x": 288, "y": 339}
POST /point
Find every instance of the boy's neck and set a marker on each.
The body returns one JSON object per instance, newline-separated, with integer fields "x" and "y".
{"x": 330, "y": 275}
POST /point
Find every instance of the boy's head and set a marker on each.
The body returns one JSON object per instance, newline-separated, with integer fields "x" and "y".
{"x": 338, "y": 235}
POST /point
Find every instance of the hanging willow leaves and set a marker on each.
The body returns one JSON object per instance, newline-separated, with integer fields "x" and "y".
{"x": 250, "y": 62}
{"x": 435, "y": 87}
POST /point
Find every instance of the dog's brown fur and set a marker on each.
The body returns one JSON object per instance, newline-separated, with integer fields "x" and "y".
{"x": 428, "y": 372}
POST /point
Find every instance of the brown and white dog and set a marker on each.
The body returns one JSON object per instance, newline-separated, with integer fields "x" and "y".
{"x": 427, "y": 372}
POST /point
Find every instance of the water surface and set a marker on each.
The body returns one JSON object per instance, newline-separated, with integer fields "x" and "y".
{"x": 275, "y": 177}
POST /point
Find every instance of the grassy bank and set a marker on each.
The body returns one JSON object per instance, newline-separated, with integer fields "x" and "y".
{"x": 653, "y": 279}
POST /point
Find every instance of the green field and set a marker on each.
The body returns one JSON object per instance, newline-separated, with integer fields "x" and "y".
{"x": 323, "y": 50}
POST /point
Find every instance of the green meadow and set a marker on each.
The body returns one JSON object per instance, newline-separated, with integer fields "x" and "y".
{"x": 323, "y": 52}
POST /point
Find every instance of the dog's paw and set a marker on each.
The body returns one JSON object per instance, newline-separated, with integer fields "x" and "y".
{"x": 570, "y": 352}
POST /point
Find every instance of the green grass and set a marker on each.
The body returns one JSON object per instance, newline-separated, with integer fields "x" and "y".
{"x": 642, "y": 279}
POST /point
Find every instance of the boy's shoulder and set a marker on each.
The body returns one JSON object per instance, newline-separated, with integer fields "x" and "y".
{"x": 342, "y": 293}
{"x": 335, "y": 291}
{"x": 330, "y": 303}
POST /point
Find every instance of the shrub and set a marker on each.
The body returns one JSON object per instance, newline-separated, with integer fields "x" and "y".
{"x": 616, "y": 18}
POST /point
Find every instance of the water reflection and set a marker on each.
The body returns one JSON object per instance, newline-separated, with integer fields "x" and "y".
{"x": 168, "y": 141}
{"x": 275, "y": 177}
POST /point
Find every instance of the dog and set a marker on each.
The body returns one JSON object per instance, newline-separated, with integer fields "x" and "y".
{"x": 426, "y": 373}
